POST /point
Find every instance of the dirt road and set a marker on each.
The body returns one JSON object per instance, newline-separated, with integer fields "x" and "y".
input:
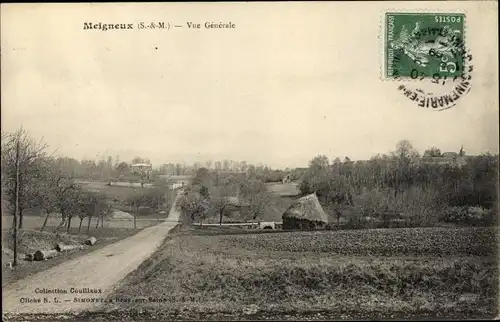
{"x": 81, "y": 284}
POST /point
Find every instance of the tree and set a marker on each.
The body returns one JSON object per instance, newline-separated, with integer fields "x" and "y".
{"x": 405, "y": 150}
{"x": 255, "y": 196}
{"x": 154, "y": 198}
{"x": 20, "y": 147}
{"x": 91, "y": 204}
{"x": 196, "y": 166}
{"x": 83, "y": 211}
{"x": 89, "y": 169}
{"x": 45, "y": 197}
{"x": 136, "y": 200}
{"x": 121, "y": 168}
{"x": 102, "y": 211}
{"x": 337, "y": 198}
{"x": 316, "y": 175}
{"x": 193, "y": 206}
{"x": 67, "y": 195}
{"x": 243, "y": 166}
{"x": 432, "y": 152}
{"x": 202, "y": 180}
{"x": 178, "y": 169}
{"x": 225, "y": 165}
{"x": 221, "y": 198}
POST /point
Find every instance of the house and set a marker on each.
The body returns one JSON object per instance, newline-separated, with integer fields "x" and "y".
{"x": 176, "y": 181}
{"x": 447, "y": 158}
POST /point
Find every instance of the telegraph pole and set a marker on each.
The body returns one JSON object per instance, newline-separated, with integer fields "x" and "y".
{"x": 158, "y": 208}
{"x": 135, "y": 214}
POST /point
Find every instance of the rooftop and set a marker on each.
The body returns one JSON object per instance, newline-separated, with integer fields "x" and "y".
{"x": 141, "y": 165}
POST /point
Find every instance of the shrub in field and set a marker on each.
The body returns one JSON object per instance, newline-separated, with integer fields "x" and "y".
{"x": 386, "y": 208}
{"x": 421, "y": 207}
{"x": 469, "y": 215}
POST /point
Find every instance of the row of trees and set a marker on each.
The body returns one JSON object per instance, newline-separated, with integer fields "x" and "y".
{"x": 225, "y": 165}
{"x": 255, "y": 172}
{"x": 396, "y": 187}
{"x": 212, "y": 196}
{"x": 31, "y": 179}
{"x": 105, "y": 169}
{"x": 114, "y": 169}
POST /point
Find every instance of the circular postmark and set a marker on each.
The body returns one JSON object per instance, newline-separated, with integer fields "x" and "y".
{"x": 431, "y": 62}
{"x": 439, "y": 92}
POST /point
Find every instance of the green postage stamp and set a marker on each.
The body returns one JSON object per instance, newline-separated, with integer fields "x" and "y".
{"x": 424, "y": 45}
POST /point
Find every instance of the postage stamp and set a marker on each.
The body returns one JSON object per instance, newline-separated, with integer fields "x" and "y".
{"x": 424, "y": 45}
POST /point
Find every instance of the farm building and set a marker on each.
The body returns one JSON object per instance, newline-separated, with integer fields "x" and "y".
{"x": 176, "y": 181}
{"x": 306, "y": 213}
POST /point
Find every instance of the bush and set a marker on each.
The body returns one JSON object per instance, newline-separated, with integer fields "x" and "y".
{"x": 469, "y": 216}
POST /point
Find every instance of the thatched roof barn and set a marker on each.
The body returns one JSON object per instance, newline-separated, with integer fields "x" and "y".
{"x": 305, "y": 213}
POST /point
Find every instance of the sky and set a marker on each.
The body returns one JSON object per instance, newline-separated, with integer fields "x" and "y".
{"x": 290, "y": 81}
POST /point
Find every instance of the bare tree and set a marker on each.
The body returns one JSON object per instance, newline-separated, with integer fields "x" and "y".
{"x": 29, "y": 153}
{"x": 255, "y": 196}
{"x": 67, "y": 201}
{"x": 405, "y": 151}
{"x": 97, "y": 208}
{"x": 87, "y": 207}
{"x": 223, "y": 196}
{"x": 121, "y": 168}
{"x": 45, "y": 197}
{"x": 432, "y": 152}
{"x": 102, "y": 211}
{"x": 220, "y": 204}
{"x": 338, "y": 197}
{"x": 135, "y": 201}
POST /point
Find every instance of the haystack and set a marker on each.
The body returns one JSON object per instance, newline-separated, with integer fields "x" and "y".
{"x": 306, "y": 213}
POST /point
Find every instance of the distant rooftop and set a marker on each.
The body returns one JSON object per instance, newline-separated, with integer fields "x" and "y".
{"x": 141, "y": 165}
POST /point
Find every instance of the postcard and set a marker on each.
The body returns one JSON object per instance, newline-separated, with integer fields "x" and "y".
{"x": 250, "y": 161}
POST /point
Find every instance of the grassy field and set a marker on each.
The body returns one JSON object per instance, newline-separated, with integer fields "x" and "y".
{"x": 112, "y": 230}
{"x": 365, "y": 274}
{"x": 272, "y": 212}
{"x": 36, "y": 222}
{"x": 117, "y": 194}
{"x": 113, "y": 191}
{"x": 283, "y": 189}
